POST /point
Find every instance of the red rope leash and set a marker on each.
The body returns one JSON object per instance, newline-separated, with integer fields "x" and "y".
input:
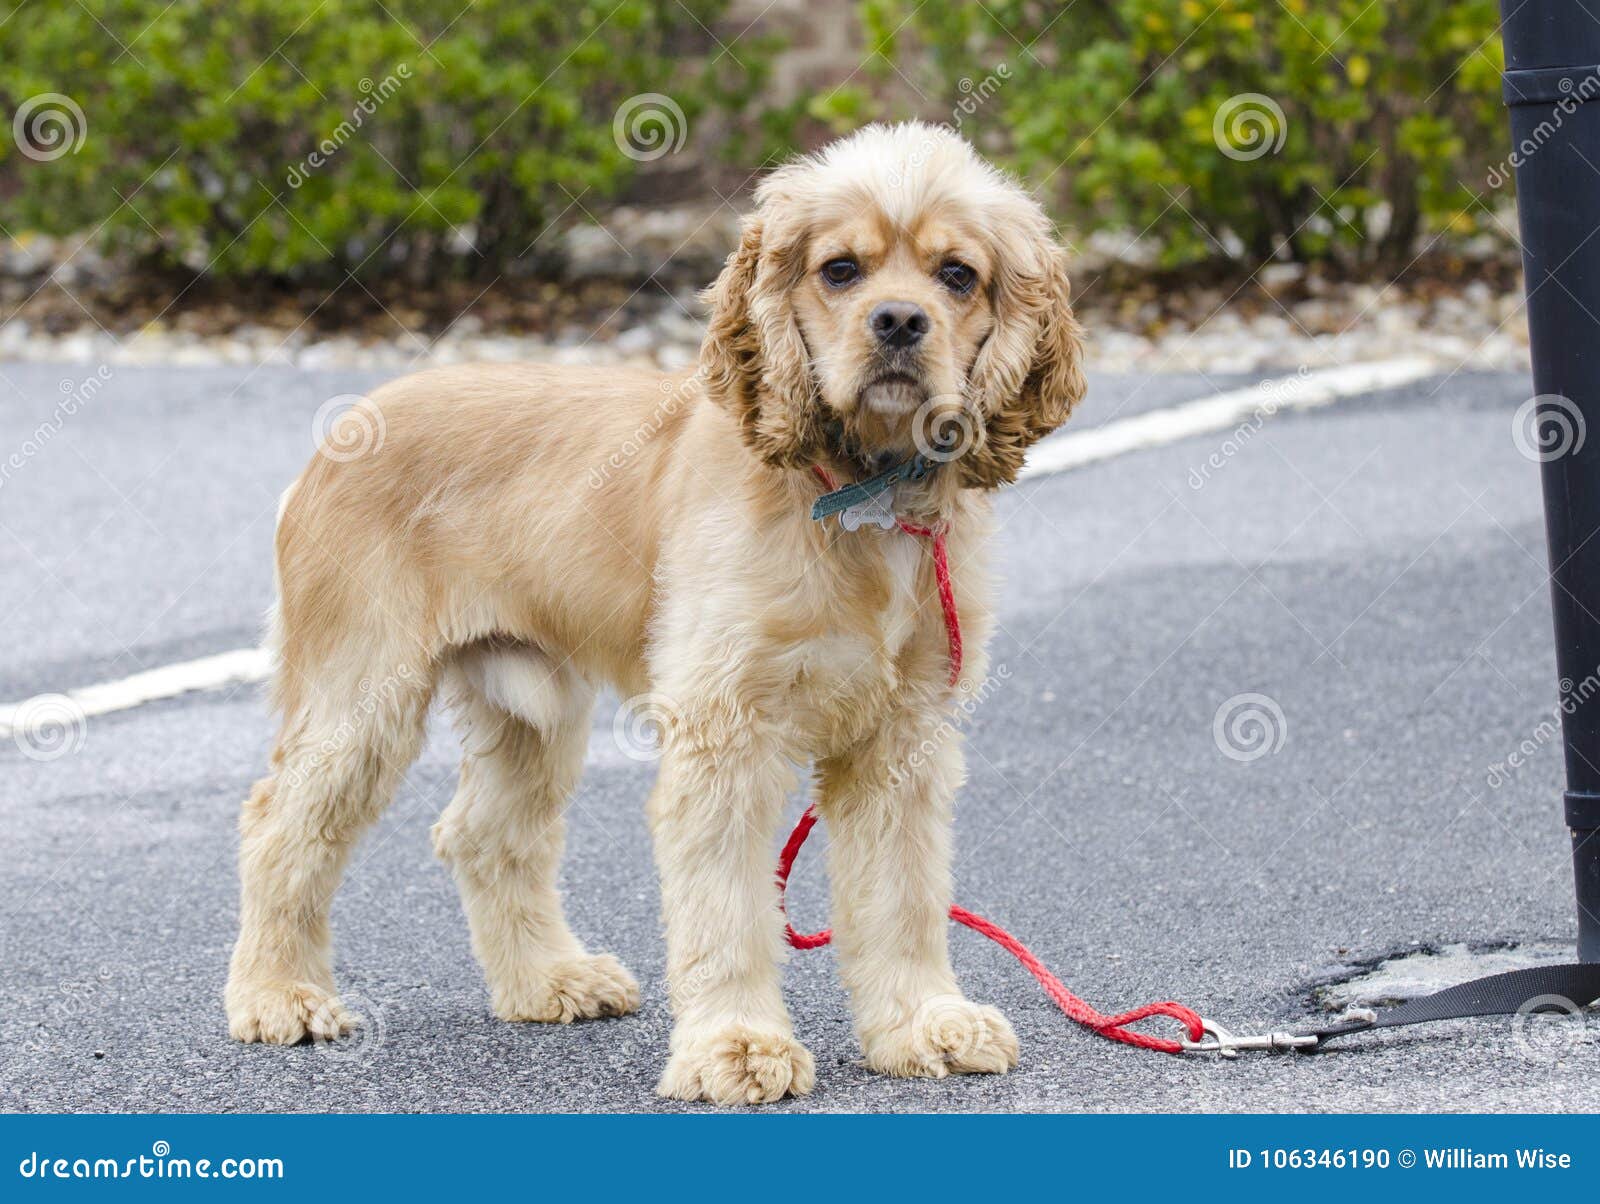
{"x": 791, "y": 850}
{"x": 947, "y": 591}
{"x": 1113, "y": 1028}
{"x": 941, "y": 573}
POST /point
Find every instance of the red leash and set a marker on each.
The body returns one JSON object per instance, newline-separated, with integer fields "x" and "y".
{"x": 1113, "y": 1028}
{"x": 947, "y": 592}
{"x": 941, "y": 572}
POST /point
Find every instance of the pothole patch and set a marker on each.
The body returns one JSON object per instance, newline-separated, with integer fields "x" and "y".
{"x": 1414, "y": 975}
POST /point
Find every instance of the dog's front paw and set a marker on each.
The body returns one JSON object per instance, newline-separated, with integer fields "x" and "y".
{"x": 946, "y": 1035}
{"x": 286, "y": 1013}
{"x": 584, "y": 988}
{"x": 738, "y": 1065}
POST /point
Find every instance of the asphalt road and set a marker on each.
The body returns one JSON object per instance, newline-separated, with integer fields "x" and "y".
{"x": 1374, "y": 569}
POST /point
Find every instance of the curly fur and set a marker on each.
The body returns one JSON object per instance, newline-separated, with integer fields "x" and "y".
{"x": 1027, "y": 376}
{"x": 523, "y": 535}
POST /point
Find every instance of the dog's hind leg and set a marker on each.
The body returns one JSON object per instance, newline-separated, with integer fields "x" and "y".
{"x": 524, "y": 723}
{"x": 344, "y": 748}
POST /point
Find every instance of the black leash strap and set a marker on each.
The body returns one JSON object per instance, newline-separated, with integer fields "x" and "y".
{"x": 1537, "y": 989}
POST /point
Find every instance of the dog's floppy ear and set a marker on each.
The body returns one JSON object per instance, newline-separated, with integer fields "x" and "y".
{"x": 1029, "y": 374}
{"x": 753, "y": 358}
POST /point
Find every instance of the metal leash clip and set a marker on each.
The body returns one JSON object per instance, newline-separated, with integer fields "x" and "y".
{"x": 1219, "y": 1040}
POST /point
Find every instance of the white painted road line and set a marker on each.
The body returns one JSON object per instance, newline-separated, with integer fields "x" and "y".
{"x": 1208, "y": 415}
{"x": 1219, "y": 412}
{"x": 207, "y": 673}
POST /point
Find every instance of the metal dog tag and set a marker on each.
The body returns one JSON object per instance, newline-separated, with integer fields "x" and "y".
{"x": 877, "y": 509}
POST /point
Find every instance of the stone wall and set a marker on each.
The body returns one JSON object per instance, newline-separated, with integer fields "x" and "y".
{"x": 823, "y": 44}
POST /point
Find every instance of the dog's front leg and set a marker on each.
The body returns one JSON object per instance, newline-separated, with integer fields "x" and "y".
{"x": 714, "y": 815}
{"x": 887, "y": 805}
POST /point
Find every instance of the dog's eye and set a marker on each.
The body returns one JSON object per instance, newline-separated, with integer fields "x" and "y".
{"x": 840, "y": 272}
{"x": 957, "y": 277}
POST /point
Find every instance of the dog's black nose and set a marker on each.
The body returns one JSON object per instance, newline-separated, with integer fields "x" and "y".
{"x": 898, "y": 323}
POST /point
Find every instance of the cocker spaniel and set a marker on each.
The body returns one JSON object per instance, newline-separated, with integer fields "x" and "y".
{"x": 521, "y": 535}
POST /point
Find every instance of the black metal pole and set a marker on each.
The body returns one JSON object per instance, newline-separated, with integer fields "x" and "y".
{"x": 1552, "y": 86}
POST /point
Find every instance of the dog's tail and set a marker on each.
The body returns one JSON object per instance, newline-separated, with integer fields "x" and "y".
{"x": 272, "y": 637}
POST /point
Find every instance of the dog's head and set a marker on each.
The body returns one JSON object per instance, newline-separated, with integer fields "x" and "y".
{"x": 895, "y": 293}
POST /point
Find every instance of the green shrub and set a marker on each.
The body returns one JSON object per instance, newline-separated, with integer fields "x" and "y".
{"x": 299, "y": 137}
{"x": 1315, "y": 128}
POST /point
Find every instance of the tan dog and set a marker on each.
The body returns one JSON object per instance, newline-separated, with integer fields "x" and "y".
{"x": 523, "y": 534}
